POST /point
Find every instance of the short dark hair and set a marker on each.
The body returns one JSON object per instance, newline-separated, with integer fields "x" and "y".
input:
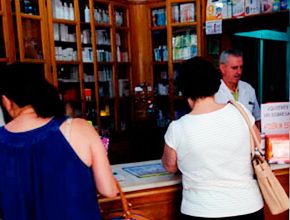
{"x": 229, "y": 52}
{"x": 198, "y": 78}
{"x": 25, "y": 84}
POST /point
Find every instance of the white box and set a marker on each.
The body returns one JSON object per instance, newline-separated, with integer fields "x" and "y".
{"x": 238, "y": 8}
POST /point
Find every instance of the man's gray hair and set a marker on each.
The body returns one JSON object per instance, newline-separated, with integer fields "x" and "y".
{"x": 230, "y": 52}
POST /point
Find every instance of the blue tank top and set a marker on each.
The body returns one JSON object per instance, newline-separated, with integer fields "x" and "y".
{"x": 42, "y": 178}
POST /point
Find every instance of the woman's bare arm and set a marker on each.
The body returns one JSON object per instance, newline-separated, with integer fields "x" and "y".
{"x": 87, "y": 144}
{"x": 169, "y": 159}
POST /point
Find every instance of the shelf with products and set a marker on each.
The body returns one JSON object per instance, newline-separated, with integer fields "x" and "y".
{"x": 216, "y": 43}
{"x": 159, "y": 33}
{"x": 122, "y": 38}
{"x": 124, "y": 95}
{"x": 122, "y": 45}
{"x": 106, "y": 65}
{"x": 158, "y": 16}
{"x": 32, "y": 35}
{"x": 159, "y": 62}
{"x": 104, "y": 45}
{"x": 161, "y": 79}
{"x": 66, "y": 55}
{"x": 159, "y": 48}
{"x": 91, "y": 60}
{"x": 69, "y": 82}
{"x": 173, "y": 41}
{"x": 7, "y": 47}
{"x": 65, "y": 41}
{"x": 262, "y": 50}
{"x": 123, "y": 65}
{"x": 184, "y": 42}
{"x": 183, "y": 12}
{"x": 88, "y": 48}
{"x": 159, "y": 45}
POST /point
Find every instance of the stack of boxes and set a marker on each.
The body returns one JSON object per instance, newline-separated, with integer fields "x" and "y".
{"x": 221, "y": 9}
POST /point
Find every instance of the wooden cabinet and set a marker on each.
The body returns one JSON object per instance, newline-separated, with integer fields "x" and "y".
{"x": 91, "y": 59}
{"x": 7, "y": 47}
{"x": 184, "y": 42}
{"x": 31, "y": 30}
{"x": 113, "y": 64}
{"x": 176, "y": 36}
{"x": 123, "y": 76}
{"x": 156, "y": 204}
{"x": 160, "y": 69}
{"x": 30, "y": 25}
{"x": 65, "y": 46}
{"x": 86, "y": 47}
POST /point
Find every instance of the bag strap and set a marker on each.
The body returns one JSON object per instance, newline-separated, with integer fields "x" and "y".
{"x": 125, "y": 203}
{"x": 255, "y": 143}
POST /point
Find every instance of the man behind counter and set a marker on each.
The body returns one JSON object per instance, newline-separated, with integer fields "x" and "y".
{"x": 231, "y": 66}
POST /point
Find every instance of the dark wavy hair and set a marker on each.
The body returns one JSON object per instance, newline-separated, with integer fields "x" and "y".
{"x": 25, "y": 84}
{"x": 198, "y": 78}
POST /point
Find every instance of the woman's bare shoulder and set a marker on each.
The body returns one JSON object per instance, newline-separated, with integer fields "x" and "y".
{"x": 83, "y": 127}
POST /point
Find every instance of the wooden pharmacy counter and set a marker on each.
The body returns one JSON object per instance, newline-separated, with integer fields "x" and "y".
{"x": 159, "y": 196}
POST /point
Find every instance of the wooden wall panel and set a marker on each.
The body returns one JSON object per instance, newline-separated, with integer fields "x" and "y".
{"x": 141, "y": 44}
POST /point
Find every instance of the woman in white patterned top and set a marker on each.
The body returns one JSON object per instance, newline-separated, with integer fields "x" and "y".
{"x": 211, "y": 148}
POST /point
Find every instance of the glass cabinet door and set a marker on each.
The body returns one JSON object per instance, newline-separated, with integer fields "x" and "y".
{"x": 32, "y": 37}
{"x": 2, "y": 41}
{"x": 104, "y": 62}
{"x": 160, "y": 64}
{"x": 88, "y": 46}
{"x": 66, "y": 55}
{"x": 185, "y": 41}
{"x": 122, "y": 41}
{"x": 123, "y": 66}
{"x": 31, "y": 40}
{"x": 7, "y": 40}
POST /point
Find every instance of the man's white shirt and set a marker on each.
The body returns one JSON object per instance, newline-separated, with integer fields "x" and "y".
{"x": 247, "y": 96}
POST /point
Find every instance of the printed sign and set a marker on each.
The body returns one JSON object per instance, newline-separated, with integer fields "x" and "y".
{"x": 213, "y": 27}
{"x": 275, "y": 118}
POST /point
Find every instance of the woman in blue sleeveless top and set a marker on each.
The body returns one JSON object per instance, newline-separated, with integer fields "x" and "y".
{"x": 51, "y": 167}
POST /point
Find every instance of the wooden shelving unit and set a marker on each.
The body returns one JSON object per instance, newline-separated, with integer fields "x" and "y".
{"x": 32, "y": 34}
{"x": 91, "y": 59}
{"x": 176, "y": 29}
{"x": 7, "y": 46}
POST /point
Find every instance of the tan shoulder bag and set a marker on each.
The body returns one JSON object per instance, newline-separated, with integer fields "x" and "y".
{"x": 273, "y": 193}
